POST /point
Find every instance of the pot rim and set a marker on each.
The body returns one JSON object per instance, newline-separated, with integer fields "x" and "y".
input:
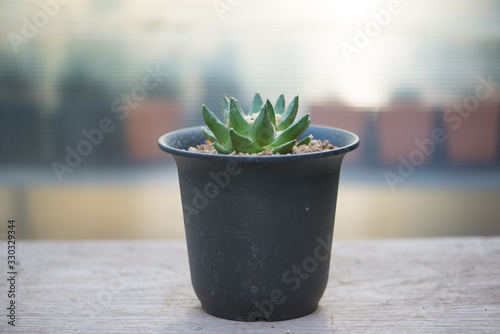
{"x": 163, "y": 144}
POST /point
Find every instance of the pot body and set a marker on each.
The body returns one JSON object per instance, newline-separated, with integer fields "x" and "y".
{"x": 259, "y": 229}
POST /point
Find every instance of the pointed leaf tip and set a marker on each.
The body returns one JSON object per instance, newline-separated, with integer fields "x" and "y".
{"x": 305, "y": 141}
{"x": 209, "y": 135}
{"x": 289, "y": 115}
{"x": 293, "y": 132}
{"x": 220, "y": 131}
{"x": 262, "y": 130}
{"x": 236, "y": 118}
{"x": 256, "y": 104}
{"x": 285, "y": 148}
{"x": 225, "y": 108}
{"x": 279, "y": 107}
{"x": 270, "y": 111}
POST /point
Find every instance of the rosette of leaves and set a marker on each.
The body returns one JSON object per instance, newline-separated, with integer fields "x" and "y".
{"x": 264, "y": 127}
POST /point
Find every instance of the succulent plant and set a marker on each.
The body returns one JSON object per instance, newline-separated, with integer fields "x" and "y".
{"x": 264, "y": 127}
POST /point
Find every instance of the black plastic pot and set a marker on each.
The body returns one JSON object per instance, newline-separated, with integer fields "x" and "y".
{"x": 259, "y": 228}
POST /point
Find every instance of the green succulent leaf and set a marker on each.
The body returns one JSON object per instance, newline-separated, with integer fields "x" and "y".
{"x": 225, "y": 108}
{"x": 220, "y": 131}
{"x": 256, "y": 104}
{"x": 279, "y": 107}
{"x": 289, "y": 115}
{"x": 292, "y": 132}
{"x": 262, "y": 130}
{"x": 285, "y": 148}
{"x": 244, "y": 144}
{"x": 305, "y": 141}
{"x": 221, "y": 149}
{"x": 270, "y": 111}
{"x": 209, "y": 134}
{"x": 229, "y": 145}
{"x": 257, "y": 131}
{"x": 237, "y": 119}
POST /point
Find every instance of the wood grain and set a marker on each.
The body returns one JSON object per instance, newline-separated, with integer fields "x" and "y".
{"x": 388, "y": 286}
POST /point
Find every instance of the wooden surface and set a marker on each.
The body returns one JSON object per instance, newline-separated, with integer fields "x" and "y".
{"x": 389, "y": 286}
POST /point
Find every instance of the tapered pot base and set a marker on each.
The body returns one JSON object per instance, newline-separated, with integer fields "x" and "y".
{"x": 259, "y": 228}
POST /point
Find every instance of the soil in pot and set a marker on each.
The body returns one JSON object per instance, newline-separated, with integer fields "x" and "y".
{"x": 314, "y": 146}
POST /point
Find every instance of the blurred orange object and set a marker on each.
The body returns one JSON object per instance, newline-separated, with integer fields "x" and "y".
{"x": 339, "y": 115}
{"x": 473, "y": 136}
{"x": 400, "y": 124}
{"x": 144, "y": 124}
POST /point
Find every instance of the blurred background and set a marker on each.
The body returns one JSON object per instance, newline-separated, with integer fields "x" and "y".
{"x": 87, "y": 87}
